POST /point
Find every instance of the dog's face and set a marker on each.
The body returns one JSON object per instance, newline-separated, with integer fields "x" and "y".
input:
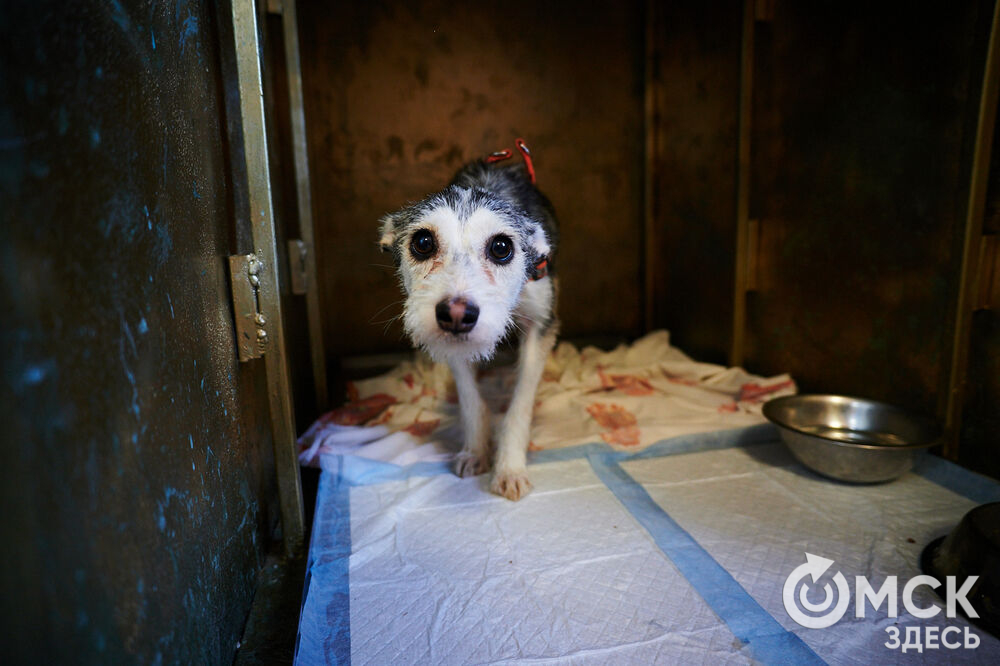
{"x": 464, "y": 257}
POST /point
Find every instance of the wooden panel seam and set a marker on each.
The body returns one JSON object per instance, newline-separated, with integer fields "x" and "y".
{"x": 738, "y": 350}
{"x": 973, "y": 239}
{"x": 649, "y": 176}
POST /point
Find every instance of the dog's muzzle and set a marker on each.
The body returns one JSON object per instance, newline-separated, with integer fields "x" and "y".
{"x": 456, "y": 315}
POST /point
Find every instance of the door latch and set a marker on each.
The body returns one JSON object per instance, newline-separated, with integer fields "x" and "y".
{"x": 251, "y": 335}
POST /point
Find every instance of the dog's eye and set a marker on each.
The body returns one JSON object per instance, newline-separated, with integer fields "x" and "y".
{"x": 501, "y": 249}
{"x": 423, "y": 245}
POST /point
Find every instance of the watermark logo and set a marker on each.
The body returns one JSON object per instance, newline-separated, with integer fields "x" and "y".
{"x": 799, "y": 597}
{"x": 814, "y": 568}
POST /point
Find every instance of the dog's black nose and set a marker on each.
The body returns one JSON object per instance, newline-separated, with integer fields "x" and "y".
{"x": 456, "y": 315}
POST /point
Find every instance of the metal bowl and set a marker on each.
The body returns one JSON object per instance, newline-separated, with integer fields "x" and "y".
{"x": 972, "y": 549}
{"x": 851, "y": 439}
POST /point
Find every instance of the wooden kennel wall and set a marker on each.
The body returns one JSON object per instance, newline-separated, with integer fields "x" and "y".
{"x": 800, "y": 187}
{"x": 787, "y": 186}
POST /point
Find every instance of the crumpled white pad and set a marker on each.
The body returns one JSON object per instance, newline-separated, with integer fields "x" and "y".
{"x": 441, "y": 571}
{"x": 629, "y": 398}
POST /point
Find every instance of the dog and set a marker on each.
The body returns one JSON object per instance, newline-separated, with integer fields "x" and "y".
{"x": 476, "y": 262}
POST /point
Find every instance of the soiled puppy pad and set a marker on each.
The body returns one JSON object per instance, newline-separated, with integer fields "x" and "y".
{"x": 442, "y": 572}
{"x": 757, "y": 513}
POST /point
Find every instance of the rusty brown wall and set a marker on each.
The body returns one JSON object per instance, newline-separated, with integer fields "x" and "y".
{"x": 399, "y": 95}
{"x": 863, "y": 118}
{"x": 139, "y": 488}
{"x": 696, "y": 85}
{"x": 980, "y": 443}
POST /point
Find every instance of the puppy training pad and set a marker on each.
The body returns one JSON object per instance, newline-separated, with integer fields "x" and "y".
{"x": 471, "y": 578}
{"x": 674, "y": 554}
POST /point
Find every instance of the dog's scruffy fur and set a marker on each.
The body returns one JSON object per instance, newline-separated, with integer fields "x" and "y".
{"x": 475, "y": 261}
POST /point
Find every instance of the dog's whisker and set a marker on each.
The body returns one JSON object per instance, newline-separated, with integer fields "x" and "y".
{"x": 531, "y": 320}
{"x": 386, "y": 307}
{"x": 376, "y": 322}
{"x": 387, "y": 322}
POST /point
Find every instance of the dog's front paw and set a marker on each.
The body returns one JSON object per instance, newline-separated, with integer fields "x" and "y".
{"x": 470, "y": 464}
{"x": 512, "y": 484}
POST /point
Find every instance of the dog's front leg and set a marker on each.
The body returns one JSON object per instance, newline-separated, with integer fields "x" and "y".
{"x": 474, "y": 457}
{"x": 510, "y": 473}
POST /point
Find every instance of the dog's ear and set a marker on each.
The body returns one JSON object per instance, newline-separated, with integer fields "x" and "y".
{"x": 387, "y": 226}
{"x": 539, "y": 250}
{"x": 539, "y": 241}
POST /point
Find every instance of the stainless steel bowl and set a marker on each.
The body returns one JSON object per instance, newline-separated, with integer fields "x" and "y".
{"x": 851, "y": 439}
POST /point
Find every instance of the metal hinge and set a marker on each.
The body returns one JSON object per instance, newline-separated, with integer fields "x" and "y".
{"x": 298, "y": 254}
{"x": 251, "y": 336}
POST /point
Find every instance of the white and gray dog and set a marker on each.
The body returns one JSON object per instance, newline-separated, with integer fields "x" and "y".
{"x": 475, "y": 261}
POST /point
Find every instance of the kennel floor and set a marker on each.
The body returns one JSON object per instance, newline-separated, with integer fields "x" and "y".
{"x": 675, "y": 554}
{"x": 630, "y": 549}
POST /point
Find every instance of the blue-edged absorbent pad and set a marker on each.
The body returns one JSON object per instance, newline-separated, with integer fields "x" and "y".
{"x": 675, "y": 554}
